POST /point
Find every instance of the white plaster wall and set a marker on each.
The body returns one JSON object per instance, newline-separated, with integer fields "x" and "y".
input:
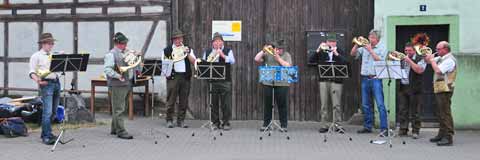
{"x": 23, "y": 38}
{"x": 62, "y": 32}
{"x": 93, "y": 38}
{"x": 467, "y": 10}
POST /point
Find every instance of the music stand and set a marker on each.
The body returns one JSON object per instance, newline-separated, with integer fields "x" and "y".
{"x": 276, "y": 74}
{"x": 67, "y": 63}
{"x": 333, "y": 70}
{"x": 211, "y": 71}
{"x": 388, "y": 70}
{"x": 152, "y": 68}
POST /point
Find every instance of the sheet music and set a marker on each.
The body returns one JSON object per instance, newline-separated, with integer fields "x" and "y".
{"x": 167, "y": 67}
{"x": 278, "y": 74}
{"x": 389, "y": 70}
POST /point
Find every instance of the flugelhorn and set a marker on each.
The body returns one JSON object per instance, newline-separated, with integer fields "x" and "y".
{"x": 360, "y": 41}
{"x": 396, "y": 56}
{"x": 213, "y": 57}
{"x": 42, "y": 73}
{"x": 324, "y": 47}
{"x": 268, "y": 49}
{"x": 423, "y": 50}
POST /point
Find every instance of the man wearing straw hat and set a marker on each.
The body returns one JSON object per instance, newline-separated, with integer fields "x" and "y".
{"x": 49, "y": 85}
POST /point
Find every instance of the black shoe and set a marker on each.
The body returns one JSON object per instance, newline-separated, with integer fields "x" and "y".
{"x": 403, "y": 132}
{"x": 323, "y": 130}
{"x": 384, "y": 133}
{"x": 113, "y": 133}
{"x": 215, "y": 127}
{"x": 263, "y": 128}
{"x": 125, "y": 136}
{"x": 49, "y": 141}
{"x": 364, "y": 130}
{"x": 169, "y": 124}
{"x": 445, "y": 141}
{"x": 226, "y": 127}
{"x": 181, "y": 124}
{"x": 436, "y": 139}
{"x": 284, "y": 129}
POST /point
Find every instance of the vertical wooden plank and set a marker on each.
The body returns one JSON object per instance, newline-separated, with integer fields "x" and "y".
{"x": 75, "y": 51}
{"x": 40, "y": 31}
{"x": 196, "y": 16}
{"x": 5, "y": 56}
{"x": 138, "y": 10}
{"x": 111, "y": 29}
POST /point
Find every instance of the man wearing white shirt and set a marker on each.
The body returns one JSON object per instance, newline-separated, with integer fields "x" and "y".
{"x": 48, "y": 84}
{"x": 445, "y": 70}
{"x": 222, "y": 89}
{"x": 178, "y": 83}
{"x": 410, "y": 92}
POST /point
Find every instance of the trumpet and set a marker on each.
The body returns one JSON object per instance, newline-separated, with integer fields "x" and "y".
{"x": 269, "y": 50}
{"x": 179, "y": 53}
{"x": 324, "y": 47}
{"x": 360, "y": 41}
{"x": 213, "y": 57}
{"x": 396, "y": 56}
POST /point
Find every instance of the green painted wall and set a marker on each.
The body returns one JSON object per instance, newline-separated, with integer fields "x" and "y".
{"x": 465, "y": 101}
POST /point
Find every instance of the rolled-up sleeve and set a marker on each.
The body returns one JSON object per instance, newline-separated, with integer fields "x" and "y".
{"x": 359, "y": 53}
{"x": 32, "y": 65}
{"x": 381, "y": 52}
{"x": 447, "y": 65}
{"x": 109, "y": 65}
{"x": 230, "y": 58}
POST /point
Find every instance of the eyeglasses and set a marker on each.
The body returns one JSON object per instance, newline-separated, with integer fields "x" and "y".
{"x": 438, "y": 49}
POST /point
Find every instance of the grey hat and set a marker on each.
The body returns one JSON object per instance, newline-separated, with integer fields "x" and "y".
{"x": 217, "y": 35}
{"x": 281, "y": 44}
{"x": 177, "y": 33}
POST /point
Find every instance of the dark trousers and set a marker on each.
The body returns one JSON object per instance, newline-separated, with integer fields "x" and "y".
{"x": 444, "y": 113}
{"x": 179, "y": 87}
{"x": 409, "y": 109}
{"x": 281, "y": 100}
{"x": 221, "y": 99}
